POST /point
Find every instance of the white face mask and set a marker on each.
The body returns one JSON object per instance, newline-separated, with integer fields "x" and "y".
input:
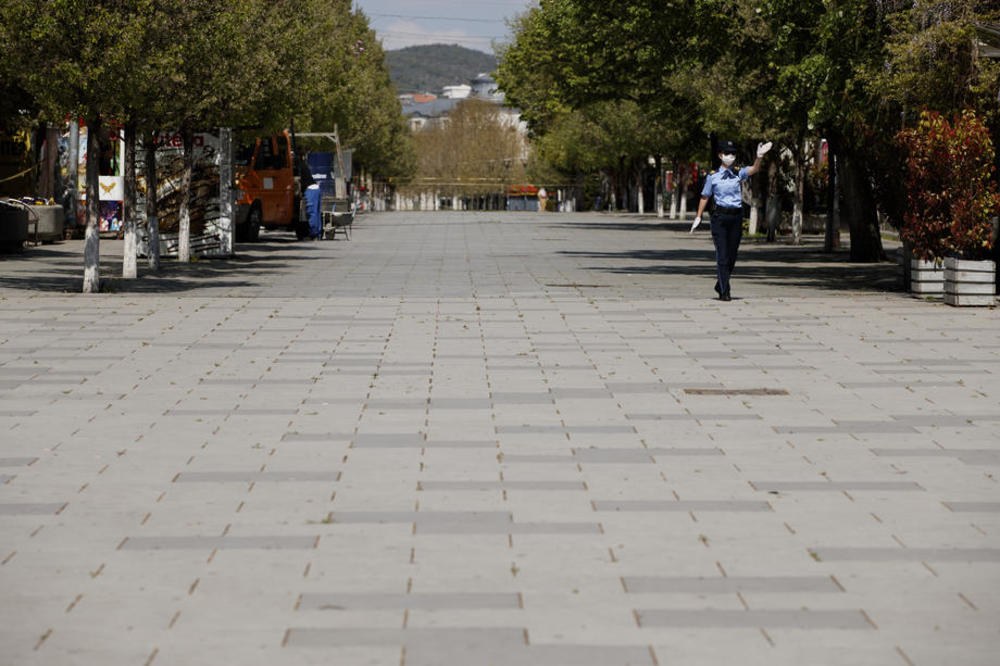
{"x": 727, "y": 160}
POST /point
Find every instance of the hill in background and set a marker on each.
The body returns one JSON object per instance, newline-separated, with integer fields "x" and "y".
{"x": 429, "y": 68}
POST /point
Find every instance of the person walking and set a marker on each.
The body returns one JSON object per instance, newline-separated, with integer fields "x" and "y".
{"x": 727, "y": 219}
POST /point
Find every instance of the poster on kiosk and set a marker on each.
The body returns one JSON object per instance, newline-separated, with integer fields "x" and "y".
{"x": 111, "y": 180}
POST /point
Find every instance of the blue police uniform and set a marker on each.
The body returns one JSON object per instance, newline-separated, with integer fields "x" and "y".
{"x": 727, "y": 220}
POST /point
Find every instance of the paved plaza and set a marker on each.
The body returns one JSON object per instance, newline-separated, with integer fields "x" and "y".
{"x": 495, "y": 439}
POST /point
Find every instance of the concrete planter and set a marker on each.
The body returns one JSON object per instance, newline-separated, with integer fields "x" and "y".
{"x": 969, "y": 282}
{"x": 926, "y": 278}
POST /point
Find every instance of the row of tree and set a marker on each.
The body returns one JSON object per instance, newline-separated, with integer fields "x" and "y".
{"x": 605, "y": 84}
{"x": 148, "y": 66}
{"x": 475, "y": 154}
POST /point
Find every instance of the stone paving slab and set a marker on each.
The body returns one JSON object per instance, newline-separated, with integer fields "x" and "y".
{"x": 487, "y": 439}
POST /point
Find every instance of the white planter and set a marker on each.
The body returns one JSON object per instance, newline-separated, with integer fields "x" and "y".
{"x": 969, "y": 282}
{"x": 926, "y": 278}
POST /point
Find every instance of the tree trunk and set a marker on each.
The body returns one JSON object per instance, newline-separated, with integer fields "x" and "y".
{"x": 755, "y": 206}
{"x": 91, "y": 247}
{"x": 682, "y": 190}
{"x": 129, "y": 259}
{"x": 831, "y": 240}
{"x": 773, "y": 202}
{"x": 658, "y": 188}
{"x": 859, "y": 206}
{"x": 152, "y": 221}
{"x": 675, "y": 190}
{"x": 184, "y": 230}
{"x": 225, "y": 189}
{"x": 640, "y": 196}
{"x": 73, "y": 171}
{"x": 798, "y": 208}
{"x": 50, "y": 162}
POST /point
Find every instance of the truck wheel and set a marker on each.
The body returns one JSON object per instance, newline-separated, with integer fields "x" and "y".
{"x": 249, "y": 231}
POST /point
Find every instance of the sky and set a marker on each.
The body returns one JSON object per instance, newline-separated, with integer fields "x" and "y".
{"x": 474, "y": 24}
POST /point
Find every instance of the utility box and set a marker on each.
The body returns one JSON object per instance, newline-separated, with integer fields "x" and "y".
{"x": 13, "y": 227}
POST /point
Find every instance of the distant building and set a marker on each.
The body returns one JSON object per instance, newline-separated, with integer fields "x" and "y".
{"x": 419, "y": 114}
{"x": 415, "y": 98}
{"x": 456, "y": 92}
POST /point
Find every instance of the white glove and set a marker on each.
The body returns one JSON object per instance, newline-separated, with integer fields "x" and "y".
{"x": 694, "y": 226}
{"x": 762, "y": 148}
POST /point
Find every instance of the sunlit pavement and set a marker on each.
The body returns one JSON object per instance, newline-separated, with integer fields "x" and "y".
{"x": 483, "y": 438}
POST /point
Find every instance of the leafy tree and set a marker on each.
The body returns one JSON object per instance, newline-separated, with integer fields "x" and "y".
{"x": 86, "y": 47}
{"x": 474, "y": 154}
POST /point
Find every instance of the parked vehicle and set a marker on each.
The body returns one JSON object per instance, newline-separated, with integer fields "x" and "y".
{"x": 269, "y": 188}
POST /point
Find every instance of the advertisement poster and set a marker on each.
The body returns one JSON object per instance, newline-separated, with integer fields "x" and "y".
{"x": 204, "y": 201}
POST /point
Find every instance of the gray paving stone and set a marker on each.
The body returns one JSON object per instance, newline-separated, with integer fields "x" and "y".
{"x": 582, "y": 430}
{"x": 849, "y": 427}
{"x": 265, "y": 476}
{"x": 461, "y": 403}
{"x": 16, "y": 462}
{"x": 28, "y": 509}
{"x": 694, "y": 417}
{"x": 689, "y": 451}
{"x": 424, "y": 518}
{"x": 535, "y": 458}
{"x": 945, "y": 420}
{"x": 875, "y": 385}
{"x": 463, "y": 528}
{"x": 17, "y": 413}
{"x": 343, "y": 601}
{"x": 435, "y": 638}
{"x": 317, "y": 437}
{"x": 973, "y": 507}
{"x": 496, "y": 485}
{"x": 968, "y": 456}
{"x": 613, "y": 455}
{"x": 219, "y": 542}
{"x": 741, "y": 506}
{"x": 334, "y": 340}
{"x": 907, "y": 554}
{"x": 199, "y": 412}
{"x": 730, "y": 585}
{"x": 515, "y": 398}
{"x": 768, "y": 619}
{"x": 836, "y": 486}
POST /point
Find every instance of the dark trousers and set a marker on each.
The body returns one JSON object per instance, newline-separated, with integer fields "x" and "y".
{"x": 727, "y": 230}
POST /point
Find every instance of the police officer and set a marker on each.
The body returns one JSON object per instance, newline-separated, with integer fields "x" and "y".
{"x": 727, "y": 220}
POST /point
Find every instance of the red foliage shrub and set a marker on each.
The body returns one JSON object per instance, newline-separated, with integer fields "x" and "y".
{"x": 951, "y": 191}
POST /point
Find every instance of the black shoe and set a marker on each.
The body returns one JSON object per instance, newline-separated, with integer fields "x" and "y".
{"x": 725, "y": 297}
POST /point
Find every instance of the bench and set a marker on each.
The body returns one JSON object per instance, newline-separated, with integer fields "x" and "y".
{"x": 338, "y": 217}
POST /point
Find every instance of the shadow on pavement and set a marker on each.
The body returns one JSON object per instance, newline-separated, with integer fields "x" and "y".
{"x": 779, "y": 264}
{"x": 59, "y": 269}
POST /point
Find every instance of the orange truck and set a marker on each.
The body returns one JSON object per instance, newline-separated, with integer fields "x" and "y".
{"x": 268, "y": 188}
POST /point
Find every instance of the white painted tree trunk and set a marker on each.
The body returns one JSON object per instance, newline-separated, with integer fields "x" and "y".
{"x": 152, "y": 221}
{"x": 130, "y": 268}
{"x": 91, "y": 246}
{"x": 682, "y": 203}
{"x": 658, "y": 190}
{"x": 184, "y": 230}
{"x": 225, "y": 189}
{"x": 639, "y": 194}
{"x": 800, "y": 188}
